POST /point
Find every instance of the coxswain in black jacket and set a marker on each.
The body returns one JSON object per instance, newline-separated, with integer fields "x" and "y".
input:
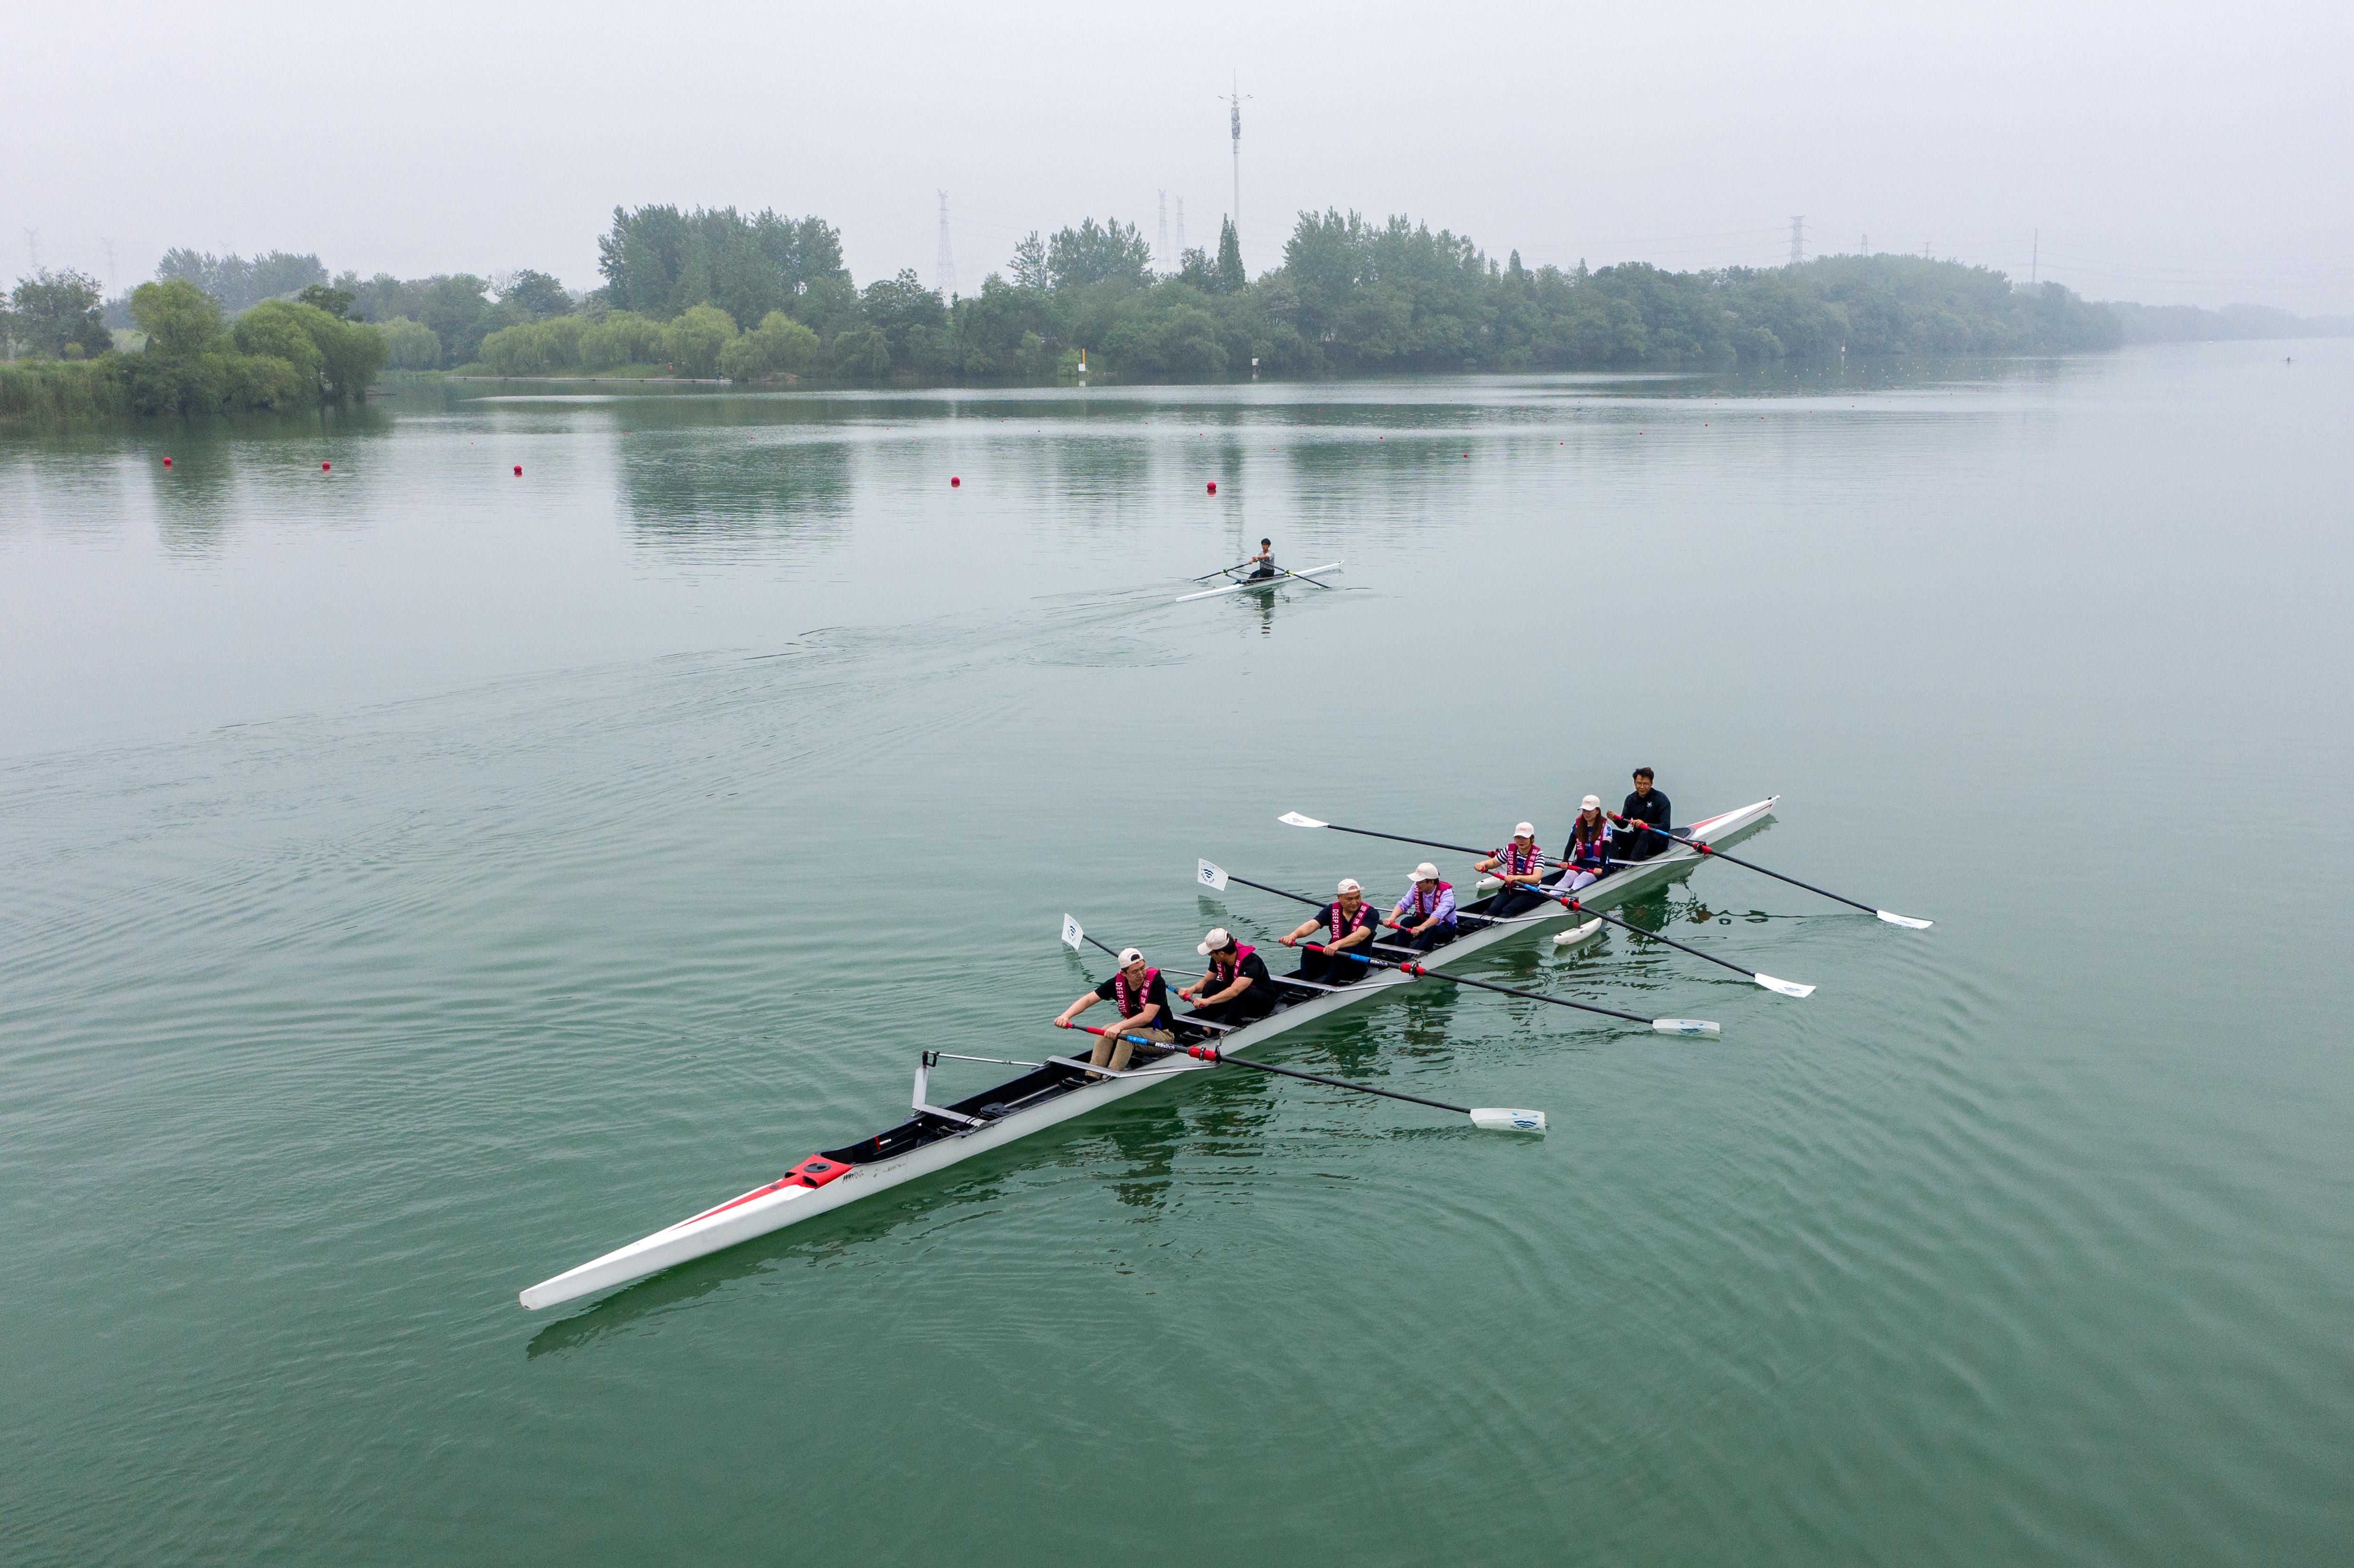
{"x": 1644, "y": 805}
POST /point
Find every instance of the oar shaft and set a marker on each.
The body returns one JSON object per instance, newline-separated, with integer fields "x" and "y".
{"x": 1420, "y": 970}
{"x": 1212, "y": 1054}
{"x": 1401, "y": 838}
{"x": 1708, "y": 849}
{"x": 1279, "y": 893}
{"x": 1572, "y": 903}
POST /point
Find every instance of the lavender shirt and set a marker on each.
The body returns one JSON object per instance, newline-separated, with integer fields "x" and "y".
{"x": 1410, "y": 912}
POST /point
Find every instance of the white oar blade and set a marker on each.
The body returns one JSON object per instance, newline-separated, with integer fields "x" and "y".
{"x": 1686, "y": 1026}
{"x": 1211, "y": 877}
{"x": 1493, "y": 1118}
{"x": 1072, "y": 935}
{"x": 1577, "y": 933}
{"x": 1787, "y": 988}
{"x": 1906, "y": 921}
{"x": 1295, "y": 819}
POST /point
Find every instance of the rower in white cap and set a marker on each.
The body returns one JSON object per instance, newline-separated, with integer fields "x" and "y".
{"x": 1349, "y": 924}
{"x": 1425, "y": 915}
{"x": 1519, "y": 865}
{"x": 1237, "y": 988}
{"x": 1142, "y": 998}
{"x": 1589, "y": 846}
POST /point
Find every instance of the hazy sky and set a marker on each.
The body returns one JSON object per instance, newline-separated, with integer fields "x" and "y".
{"x": 2165, "y": 151}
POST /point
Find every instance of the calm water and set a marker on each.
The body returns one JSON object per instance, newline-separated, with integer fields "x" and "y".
{"x": 421, "y": 878}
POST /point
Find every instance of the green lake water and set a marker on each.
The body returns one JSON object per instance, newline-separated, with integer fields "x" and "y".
{"x": 416, "y": 879}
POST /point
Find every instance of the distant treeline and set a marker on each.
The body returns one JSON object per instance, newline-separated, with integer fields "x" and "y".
{"x": 2188, "y": 324}
{"x": 1351, "y": 297}
{"x": 716, "y": 293}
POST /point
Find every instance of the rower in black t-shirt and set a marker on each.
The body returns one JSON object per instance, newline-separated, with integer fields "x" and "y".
{"x": 1236, "y": 989}
{"x": 1644, "y": 805}
{"x": 1141, "y": 997}
{"x": 1348, "y": 923}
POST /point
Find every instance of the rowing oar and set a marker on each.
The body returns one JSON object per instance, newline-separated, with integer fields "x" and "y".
{"x": 1295, "y": 819}
{"x": 1660, "y": 1026}
{"x": 1787, "y": 988}
{"x": 1074, "y": 933}
{"x": 1488, "y": 1119}
{"x": 1707, "y": 849}
{"x": 1221, "y": 571}
{"x": 1215, "y": 879}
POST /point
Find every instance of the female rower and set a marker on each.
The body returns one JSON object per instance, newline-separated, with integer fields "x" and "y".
{"x": 1589, "y": 847}
{"x": 1426, "y": 914}
{"x": 1519, "y": 865}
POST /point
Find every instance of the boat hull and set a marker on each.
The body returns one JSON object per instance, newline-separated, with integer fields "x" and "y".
{"x": 786, "y": 1202}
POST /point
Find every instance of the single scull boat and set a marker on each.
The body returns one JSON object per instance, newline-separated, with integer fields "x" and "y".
{"x": 1058, "y": 1089}
{"x": 1280, "y": 578}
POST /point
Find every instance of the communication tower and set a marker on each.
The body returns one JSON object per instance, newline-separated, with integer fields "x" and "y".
{"x": 944, "y": 275}
{"x": 1161, "y": 242}
{"x": 1797, "y": 240}
{"x": 1233, "y": 102}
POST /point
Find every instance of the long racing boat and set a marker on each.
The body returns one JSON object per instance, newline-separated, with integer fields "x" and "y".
{"x": 1061, "y": 1087}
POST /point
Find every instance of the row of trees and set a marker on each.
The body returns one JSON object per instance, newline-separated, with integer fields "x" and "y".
{"x": 278, "y": 354}
{"x": 1351, "y": 296}
{"x": 681, "y": 289}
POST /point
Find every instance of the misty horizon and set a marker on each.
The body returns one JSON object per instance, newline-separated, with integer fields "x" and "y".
{"x": 2131, "y": 156}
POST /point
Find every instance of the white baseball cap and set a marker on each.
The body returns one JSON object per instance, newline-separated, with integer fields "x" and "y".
{"x": 1217, "y": 941}
{"x": 1349, "y": 885}
{"x": 1425, "y": 872}
{"x": 1526, "y": 830}
{"x": 1130, "y": 956}
{"x": 1591, "y": 803}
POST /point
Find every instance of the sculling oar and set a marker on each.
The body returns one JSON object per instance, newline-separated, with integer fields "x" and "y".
{"x": 1705, "y": 848}
{"x": 1488, "y": 1119}
{"x": 1215, "y": 880}
{"x": 1787, "y": 988}
{"x": 1659, "y": 1025}
{"x": 1295, "y": 819}
{"x": 1211, "y": 877}
{"x": 1221, "y": 571}
{"x": 1074, "y": 933}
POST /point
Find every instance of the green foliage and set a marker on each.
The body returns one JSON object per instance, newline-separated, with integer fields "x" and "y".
{"x": 778, "y": 344}
{"x": 623, "y": 337}
{"x": 336, "y": 301}
{"x": 1109, "y": 252}
{"x": 535, "y": 296}
{"x": 659, "y": 261}
{"x": 177, "y": 317}
{"x": 410, "y": 345}
{"x": 237, "y": 283}
{"x": 58, "y": 315}
{"x": 1231, "y": 278}
{"x": 44, "y": 389}
{"x": 696, "y": 339}
{"x": 862, "y": 354}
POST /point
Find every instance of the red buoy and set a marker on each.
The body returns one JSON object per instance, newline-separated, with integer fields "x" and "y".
{"x": 518, "y": 470}
{"x": 325, "y": 467}
{"x": 1213, "y": 487}
{"x": 167, "y": 463}
{"x": 954, "y": 482}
